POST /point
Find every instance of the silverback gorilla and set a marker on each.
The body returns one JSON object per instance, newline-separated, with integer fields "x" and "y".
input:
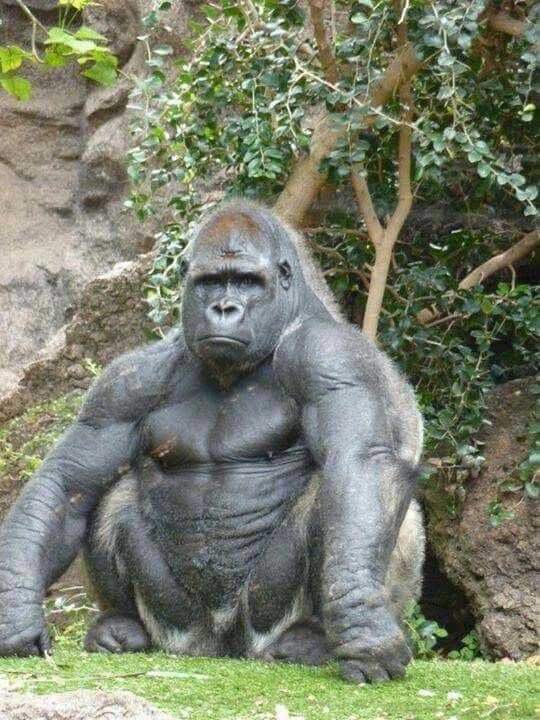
{"x": 242, "y": 487}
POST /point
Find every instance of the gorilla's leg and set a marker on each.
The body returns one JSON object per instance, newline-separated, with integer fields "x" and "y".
{"x": 145, "y": 604}
{"x": 282, "y": 598}
{"x": 279, "y": 600}
{"x": 404, "y": 575}
{"x": 118, "y": 628}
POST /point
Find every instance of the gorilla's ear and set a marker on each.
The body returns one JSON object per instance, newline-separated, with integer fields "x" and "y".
{"x": 285, "y": 275}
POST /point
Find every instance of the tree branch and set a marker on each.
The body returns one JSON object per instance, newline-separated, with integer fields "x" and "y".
{"x": 365, "y": 204}
{"x": 404, "y": 163}
{"x": 324, "y": 50}
{"x": 306, "y": 181}
{"x": 518, "y": 251}
{"x": 384, "y": 238}
{"x": 521, "y": 249}
{"x": 505, "y": 23}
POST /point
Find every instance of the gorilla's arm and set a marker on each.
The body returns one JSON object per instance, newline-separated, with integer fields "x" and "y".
{"x": 339, "y": 380}
{"x": 45, "y": 528}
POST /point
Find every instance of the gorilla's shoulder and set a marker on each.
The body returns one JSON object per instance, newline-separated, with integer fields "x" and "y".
{"x": 134, "y": 382}
{"x": 316, "y": 340}
{"x": 321, "y": 354}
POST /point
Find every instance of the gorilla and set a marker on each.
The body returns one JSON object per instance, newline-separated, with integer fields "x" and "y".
{"x": 243, "y": 487}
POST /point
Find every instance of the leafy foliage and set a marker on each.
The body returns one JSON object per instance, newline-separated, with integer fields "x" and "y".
{"x": 242, "y": 109}
{"x": 470, "y": 649}
{"x": 62, "y": 45}
{"x": 26, "y": 439}
{"x": 423, "y": 634}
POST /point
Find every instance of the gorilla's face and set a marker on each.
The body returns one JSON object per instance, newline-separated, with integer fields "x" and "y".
{"x": 234, "y": 301}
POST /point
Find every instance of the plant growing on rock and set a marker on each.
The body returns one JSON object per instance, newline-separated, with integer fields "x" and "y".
{"x": 57, "y": 46}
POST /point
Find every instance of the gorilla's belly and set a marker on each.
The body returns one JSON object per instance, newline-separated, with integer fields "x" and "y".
{"x": 212, "y": 520}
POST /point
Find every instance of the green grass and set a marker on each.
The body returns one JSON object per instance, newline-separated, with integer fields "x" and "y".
{"x": 200, "y": 688}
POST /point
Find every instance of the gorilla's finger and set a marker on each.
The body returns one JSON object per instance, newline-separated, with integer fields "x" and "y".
{"x": 395, "y": 668}
{"x": 374, "y": 672}
{"x": 351, "y": 671}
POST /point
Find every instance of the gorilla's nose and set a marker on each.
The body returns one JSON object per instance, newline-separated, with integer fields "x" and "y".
{"x": 224, "y": 313}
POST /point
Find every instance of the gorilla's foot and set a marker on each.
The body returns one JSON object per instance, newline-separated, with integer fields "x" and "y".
{"x": 114, "y": 633}
{"x": 302, "y": 644}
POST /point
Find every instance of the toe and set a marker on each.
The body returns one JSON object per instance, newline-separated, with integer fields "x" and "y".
{"x": 351, "y": 670}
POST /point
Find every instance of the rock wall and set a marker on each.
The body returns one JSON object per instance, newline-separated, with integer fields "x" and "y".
{"x": 63, "y": 181}
{"x": 498, "y": 568}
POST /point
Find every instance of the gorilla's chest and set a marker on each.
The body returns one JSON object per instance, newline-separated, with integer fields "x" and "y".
{"x": 220, "y": 470}
{"x": 254, "y": 420}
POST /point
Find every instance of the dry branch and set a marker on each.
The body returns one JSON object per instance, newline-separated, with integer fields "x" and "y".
{"x": 365, "y": 204}
{"x": 517, "y": 252}
{"x": 525, "y": 246}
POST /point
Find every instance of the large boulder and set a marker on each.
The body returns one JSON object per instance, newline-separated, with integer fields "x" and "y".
{"x": 78, "y": 705}
{"x": 496, "y": 564}
{"x": 63, "y": 180}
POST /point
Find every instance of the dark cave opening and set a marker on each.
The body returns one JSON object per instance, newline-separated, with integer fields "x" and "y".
{"x": 445, "y": 603}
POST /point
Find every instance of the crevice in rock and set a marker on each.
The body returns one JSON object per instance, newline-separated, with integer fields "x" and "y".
{"x": 445, "y": 602}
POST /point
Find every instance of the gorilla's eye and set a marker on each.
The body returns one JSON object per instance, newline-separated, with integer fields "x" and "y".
{"x": 249, "y": 280}
{"x": 209, "y": 281}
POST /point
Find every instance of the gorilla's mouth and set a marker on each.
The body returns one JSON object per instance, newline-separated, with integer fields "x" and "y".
{"x": 222, "y": 340}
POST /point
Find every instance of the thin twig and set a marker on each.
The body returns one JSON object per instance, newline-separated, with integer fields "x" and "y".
{"x": 31, "y": 15}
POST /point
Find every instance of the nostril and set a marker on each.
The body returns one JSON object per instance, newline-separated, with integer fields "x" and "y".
{"x": 225, "y": 310}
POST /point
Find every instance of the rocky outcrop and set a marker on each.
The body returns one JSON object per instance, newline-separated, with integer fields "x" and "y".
{"x": 63, "y": 180}
{"x": 498, "y": 568}
{"x": 110, "y": 318}
{"x": 79, "y": 705}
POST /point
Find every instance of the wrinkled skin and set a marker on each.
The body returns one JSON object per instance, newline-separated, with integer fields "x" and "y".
{"x": 242, "y": 487}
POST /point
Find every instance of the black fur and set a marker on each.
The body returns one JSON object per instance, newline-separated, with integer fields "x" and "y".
{"x": 239, "y": 487}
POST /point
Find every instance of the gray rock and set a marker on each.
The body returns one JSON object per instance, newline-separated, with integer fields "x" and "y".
{"x": 63, "y": 182}
{"x": 79, "y": 705}
{"x": 496, "y": 567}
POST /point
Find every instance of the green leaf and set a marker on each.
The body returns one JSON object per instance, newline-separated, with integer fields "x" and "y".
{"x": 86, "y": 33}
{"x": 532, "y": 490}
{"x": 76, "y": 4}
{"x": 102, "y": 72}
{"x": 58, "y": 36}
{"x": 358, "y": 17}
{"x": 483, "y": 169}
{"x": 163, "y": 49}
{"x": 11, "y": 58}
{"x": 17, "y": 86}
{"x": 445, "y": 92}
{"x": 55, "y": 59}
{"x": 517, "y": 180}
{"x": 209, "y": 11}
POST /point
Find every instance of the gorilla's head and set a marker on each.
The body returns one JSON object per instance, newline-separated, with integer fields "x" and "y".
{"x": 242, "y": 287}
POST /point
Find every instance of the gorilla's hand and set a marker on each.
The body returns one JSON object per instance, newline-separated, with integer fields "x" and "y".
{"x": 22, "y": 626}
{"x": 378, "y": 652}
